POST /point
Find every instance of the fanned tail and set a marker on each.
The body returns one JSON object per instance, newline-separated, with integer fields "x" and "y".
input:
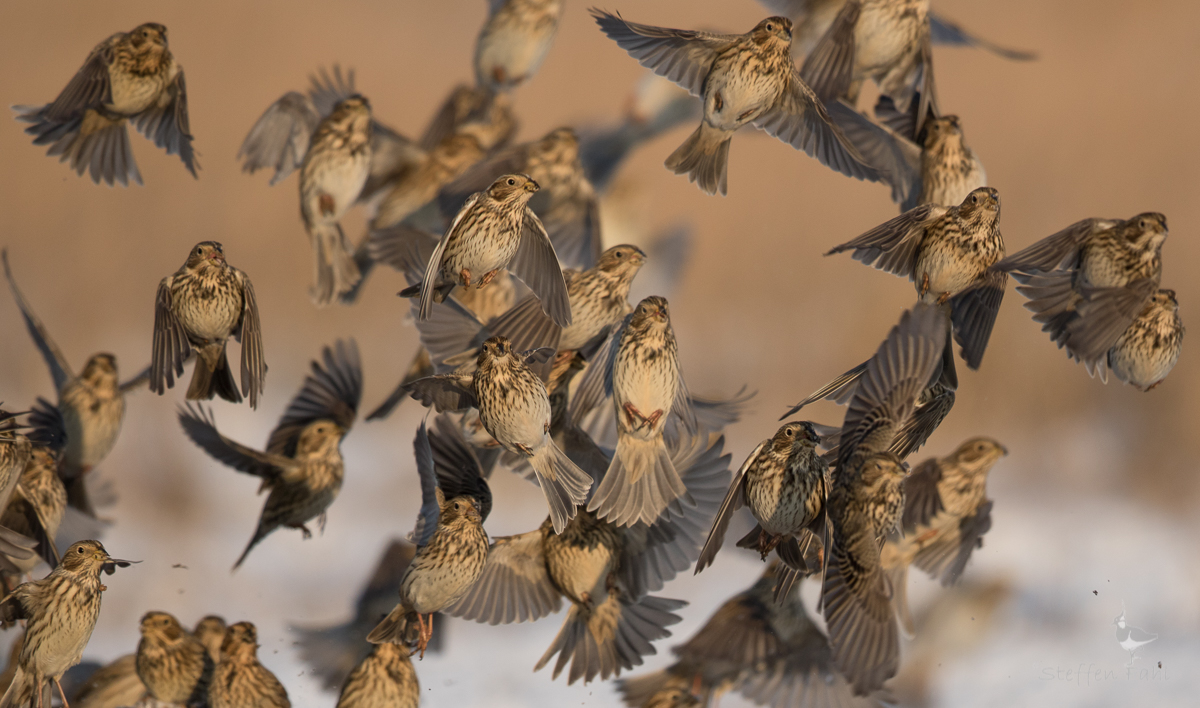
{"x": 335, "y": 270}
{"x": 564, "y": 484}
{"x": 641, "y": 482}
{"x": 212, "y": 376}
{"x": 704, "y": 158}
{"x": 397, "y": 628}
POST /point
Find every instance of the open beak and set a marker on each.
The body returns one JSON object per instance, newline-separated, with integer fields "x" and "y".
{"x": 532, "y": 186}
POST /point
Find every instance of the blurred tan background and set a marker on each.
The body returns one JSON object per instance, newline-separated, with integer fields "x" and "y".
{"x": 1103, "y": 124}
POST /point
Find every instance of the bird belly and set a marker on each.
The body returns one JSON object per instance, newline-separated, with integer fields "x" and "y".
{"x": 579, "y": 571}
{"x": 336, "y": 178}
{"x": 63, "y": 648}
{"x": 648, "y": 389}
{"x": 734, "y": 98}
{"x": 514, "y": 420}
{"x": 885, "y": 37}
{"x": 92, "y": 423}
{"x": 513, "y": 50}
{"x": 133, "y": 94}
{"x": 477, "y": 254}
{"x": 208, "y": 319}
{"x": 948, "y": 269}
{"x": 778, "y": 508}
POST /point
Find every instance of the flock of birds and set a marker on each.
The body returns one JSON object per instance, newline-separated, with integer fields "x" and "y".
{"x": 533, "y": 358}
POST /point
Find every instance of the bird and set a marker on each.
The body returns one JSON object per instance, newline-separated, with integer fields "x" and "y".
{"x": 197, "y": 310}
{"x": 129, "y": 77}
{"x": 947, "y": 252}
{"x": 451, "y": 550}
{"x": 769, "y": 651}
{"x": 302, "y": 466}
{"x": 946, "y": 514}
{"x": 866, "y": 498}
{"x": 885, "y": 41}
{"x": 1131, "y": 638}
{"x": 514, "y": 41}
{"x": 210, "y": 631}
{"x": 784, "y": 482}
{"x": 333, "y": 174}
{"x": 239, "y": 679}
{"x": 1147, "y": 350}
{"x": 1106, "y": 269}
{"x": 60, "y": 612}
{"x": 466, "y": 103}
{"x": 114, "y": 685}
{"x": 742, "y": 79}
{"x": 17, "y": 551}
{"x": 494, "y": 230}
{"x": 35, "y": 507}
{"x": 514, "y": 408}
{"x": 173, "y": 665}
{"x": 384, "y": 678}
{"x": 567, "y": 203}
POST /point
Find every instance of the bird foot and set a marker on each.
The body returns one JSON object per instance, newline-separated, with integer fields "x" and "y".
{"x": 943, "y": 298}
{"x": 525, "y": 449}
{"x": 306, "y": 534}
{"x": 487, "y": 278}
{"x": 465, "y": 276}
{"x": 767, "y": 543}
{"x": 924, "y": 284}
{"x": 321, "y": 522}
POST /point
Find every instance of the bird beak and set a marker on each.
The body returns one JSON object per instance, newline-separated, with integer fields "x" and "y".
{"x": 532, "y": 186}
{"x": 1004, "y": 451}
{"x": 111, "y": 564}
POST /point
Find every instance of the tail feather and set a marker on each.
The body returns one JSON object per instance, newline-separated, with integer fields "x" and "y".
{"x": 334, "y": 267}
{"x": 1052, "y": 299}
{"x": 261, "y": 532}
{"x": 397, "y": 628}
{"x": 704, "y": 158}
{"x": 89, "y": 142}
{"x": 22, "y": 692}
{"x": 564, "y": 484}
{"x": 365, "y": 264}
{"x": 641, "y": 482}
{"x": 212, "y": 376}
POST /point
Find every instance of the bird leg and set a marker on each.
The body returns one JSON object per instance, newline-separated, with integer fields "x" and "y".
{"x": 465, "y": 276}
{"x": 697, "y": 685}
{"x": 426, "y": 634}
{"x": 634, "y": 415}
{"x": 304, "y": 530}
{"x": 924, "y": 284}
{"x": 321, "y": 522}
{"x": 767, "y": 543}
{"x": 525, "y": 449}
{"x": 61, "y": 694}
{"x": 487, "y": 278}
{"x": 943, "y": 298}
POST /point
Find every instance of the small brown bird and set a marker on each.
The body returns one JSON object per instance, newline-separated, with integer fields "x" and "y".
{"x": 514, "y": 408}
{"x": 114, "y": 685}
{"x": 741, "y": 79}
{"x": 566, "y": 203}
{"x": 1147, "y": 351}
{"x": 131, "y": 76}
{"x": 947, "y": 252}
{"x": 452, "y": 548}
{"x": 385, "y": 679}
{"x": 210, "y": 631}
{"x": 784, "y": 482}
{"x": 198, "y": 309}
{"x": 332, "y": 177}
{"x": 302, "y": 466}
{"x": 464, "y": 103}
{"x": 36, "y": 506}
{"x": 867, "y": 498}
{"x": 17, "y": 551}
{"x": 514, "y": 41}
{"x": 61, "y": 611}
{"x": 494, "y": 230}
{"x": 946, "y": 514}
{"x": 239, "y": 679}
{"x": 174, "y": 666}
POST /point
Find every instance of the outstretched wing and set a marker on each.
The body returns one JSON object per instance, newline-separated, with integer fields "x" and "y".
{"x": 170, "y": 347}
{"x": 683, "y": 56}
{"x": 201, "y": 427}
{"x": 279, "y": 139}
{"x": 536, "y": 264}
{"x": 332, "y": 391}
{"x": 60, "y": 369}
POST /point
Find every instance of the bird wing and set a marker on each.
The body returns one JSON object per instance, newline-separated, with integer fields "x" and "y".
{"x": 60, "y": 368}
{"x": 734, "y": 499}
{"x": 254, "y": 365}
{"x": 458, "y": 470}
{"x": 332, "y": 391}
{"x": 280, "y": 137}
{"x": 922, "y": 500}
{"x": 829, "y": 68}
{"x": 573, "y": 224}
{"x": 200, "y": 425}
{"x": 137, "y": 381}
{"x": 944, "y": 31}
{"x": 1103, "y": 316}
{"x": 892, "y": 246}
{"x": 47, "y": 428}
{"x": 596, "y": 382}
{"x": 329, "y": 88}
{"x": 526, "y": 326}
{"x": 536, "y": 264}
{"x": 405, "y": 248}
{"x": 896, "y": 158}
{"x": 683, "y": 56}
{"x": 170, "y": 346}
{"x": 946, "y": 557}
{"x": 514, "y": 585}
{"x": 800, "y": 120}
{"x": 445, "y": 392}
{"x": 433, "y": 267}
{"x": 427, "y": 517}
{"x": 838, "y": 390}
{"x": 738, "y": 634}
{"x": 973, "y": 314}
{"x": 1059, "y": 250}
{"x": 480, "y": 176}
{"x": 38, "y": 525}
{"x": 392, "y": 154}
{"x": 89, "y": 88}
{"x": 925, "y": 419}
{"x": 166, "y": 124}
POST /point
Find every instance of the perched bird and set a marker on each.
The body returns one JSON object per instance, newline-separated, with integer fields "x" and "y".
{"x": 514, "y": 41}
{"x": 514, "y": 408}
{"x": 948, "y": 253}
{"x": 885, "y": 41}
{"x": 769, "y": 651}
{"x": 131, "y": 76}
{"x": 60, "y": 612}
{"x": 866, "y": 499}
{"x": 494, "y": 230}
{"x": 333, "y": 174}
{"x": 784, "y": 482}
{"x": 239, "y": 679}
{"x": 385, "y": 679}
{"x": 198, "y": 309}
{"x": 173, "y": 665}
{"x": 210, "y": 631}
{"x": 451, "y": 550}
{"x": 1147, "y": 351}
{"x": 639, "y": 368}
{"x": 946, "y": 514}
{"x": 1088, "y": 283}
{"x": 302, "y": 466}
{"x": 741, "y": 79}
{"x": 567, "y": 203}
{"x": 36, "y": 506}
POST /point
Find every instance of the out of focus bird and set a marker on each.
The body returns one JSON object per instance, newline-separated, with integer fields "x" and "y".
{"x": 35, "y": 506}
{"x": 451, "y": 548}
{"x": 1088, "y": 283}
{"x": 114, "y": 685}
{"x": 742, "y": 79}
{"x": 514, "y": 408}
{"x": 302, "y": 466}
{"x": 197, "y": 310}
{"x": 514, "y": 41}
{"x": 60, "y": 612}
{"x": 566, "y": 202}
{"x": 239, "y": 679}
{"x": 946, "y": 514}
{"x": 173, "y": 665}
{"x": 385, "y": 679}
{"x": 494, "y": 230}
{"x": 18, "y": 552}
{"x": 129, "y": 77}
{"x": 210, "y": 631}
{"x": 464, "y": 104}
{"x": 1148, "y": 349}
{"x": 784, "y": 482}
{"x": 769, "y": 651}
{"x": 947, "y": 252}
{"x": 866, "y": 499}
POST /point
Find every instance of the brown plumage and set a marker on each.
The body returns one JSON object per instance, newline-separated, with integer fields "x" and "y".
{"x": 1147, "y": 351}
{"x": 239, "y": 679}
{"x": 114, "y": 685}
{"x": 385, "y": 679}
{"x": 131, "y": 76}
{"x": 174, "y": 666}
{"x": 514, "y": 41}
{"x": 198, "y": 309}
{"x": 36, "y": 509}
{"x": 210, "y": 631}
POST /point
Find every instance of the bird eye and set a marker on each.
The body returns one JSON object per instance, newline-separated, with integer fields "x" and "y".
{"x": 456, "y": 506}
{"x": 770, "y": 27}
{"x": 788, "y": 432}
{"x": 511, "y": 182}
{"x": 619, "y": 254}
{"x": 81, "y": 551}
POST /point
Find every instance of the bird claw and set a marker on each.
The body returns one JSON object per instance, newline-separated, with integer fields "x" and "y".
{"x": 943, "y": 298}
{"x": 321, "y": 522}
{"x": 634, "y": 415}
{"x": 465, "y": 276}
{"x": 305, "y": 533}
{"x": 487, "y": 278}
{"x": 525, "y": 449}
{"x": 924, "y": 284}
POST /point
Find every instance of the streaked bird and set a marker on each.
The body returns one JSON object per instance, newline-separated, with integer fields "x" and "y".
{"x": 385, "y": 679}
{"x": 173, "y": 665}
{"x": 239, "y": 679}
{"x": 514, "y": 41}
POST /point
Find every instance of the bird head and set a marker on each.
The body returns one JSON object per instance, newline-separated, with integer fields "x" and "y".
{"x": 319, "y": 437}
{"x": 651, "y": 310}
{"x": 161, "y": 627}
{"x": 1146, "y": 232}
{"x": 100, "y": 368}
{"x": 240, "y": 642}
{"x": 984, "y": 201}
{"x": 514, "y": 187}
{"x": 206, "y": 254}
{"x": 150, "y": 38}
{"x": 980, "y": 453}
{"x": 89, "y": 557}
{"x": 460, "y": 508}
{"x": 495, "y": 349}
{"x": 938, "y": 130}
{"x": 773, "y": 29}
{"x": 351, "y": 115}
{"x": 560, "y": 145}
{"x": 790, "y": 436}
{"x": 210, "y": 632}
{"x": 622, "y": 259}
